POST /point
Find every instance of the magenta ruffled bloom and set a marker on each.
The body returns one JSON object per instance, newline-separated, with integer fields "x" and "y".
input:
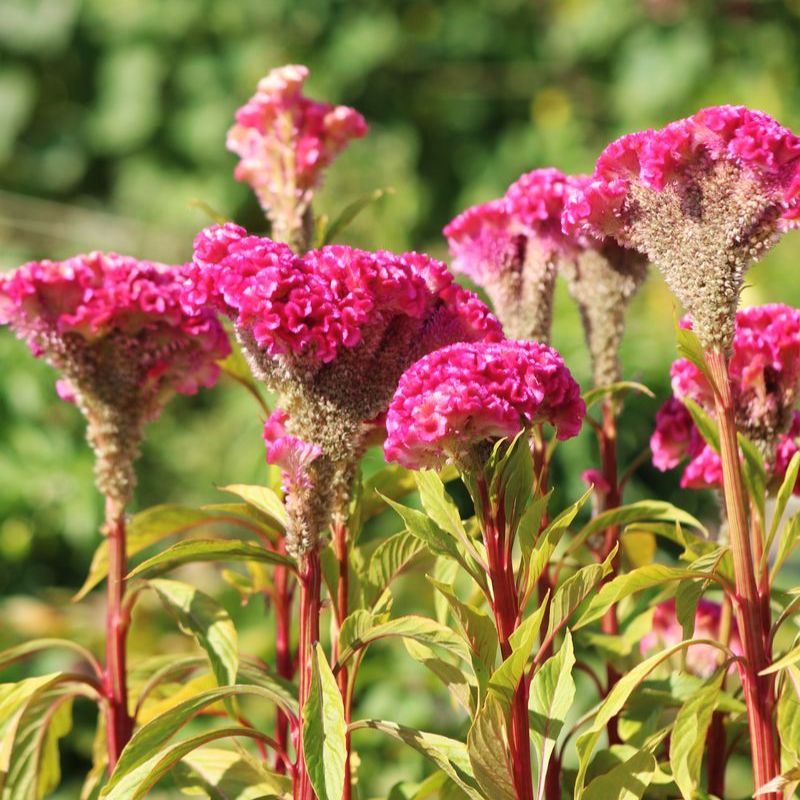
{"x": 764, "y": 372}
{"x": 331, "y": 332}
{"x": 118, "y": 332}
{"x": 285, "y": 141}
{"x": 703, "y": 198}
{"x": 513, "y": 248}
{"x": 461, "y": 396}
{"x": 701, "y": 660}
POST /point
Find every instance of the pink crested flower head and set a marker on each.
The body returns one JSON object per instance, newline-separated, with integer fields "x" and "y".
{"x": 461, "y": 396}
{"x": 703, "y": 197}
{"x": 117, "y": 330}
{"x": 285, "y": 141}
{"x": 701, "y": 659}
{"x": 511, "y": 248}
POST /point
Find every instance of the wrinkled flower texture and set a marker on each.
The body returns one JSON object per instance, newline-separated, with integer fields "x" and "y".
{"x": 765, "y": 380}
{"x": 129, "y": 313}
{"x": 703, "y": 197}
{"x": 464, "y": 395}
{"x": 285, "y": 140}
{"x": 701, "y": 660}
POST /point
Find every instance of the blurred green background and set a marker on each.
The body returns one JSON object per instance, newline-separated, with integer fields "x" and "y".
{"x": 113, "y": 116}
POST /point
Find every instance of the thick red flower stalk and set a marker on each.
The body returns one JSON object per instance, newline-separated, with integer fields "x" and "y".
{"x": 116, "y": 330}
{"x": 454, "y": 404}
{"x": 285, "y": 141}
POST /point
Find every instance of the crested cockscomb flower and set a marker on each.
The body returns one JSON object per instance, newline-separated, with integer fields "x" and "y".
{"x": 285, "y": 141}
{"x": 701, "y": 660}
{"x": 703, "y": 197}
{"x": 511, "y": 247}
{"x": 459, "y": 397}
{"x": 764, "y": 372}
{"x": 331, "y": 332}
{"x": 117, "y": 331}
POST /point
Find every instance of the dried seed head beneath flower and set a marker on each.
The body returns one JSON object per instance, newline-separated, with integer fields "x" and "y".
{"x": 602, "y": 280}
{"x": 703, "y": 197}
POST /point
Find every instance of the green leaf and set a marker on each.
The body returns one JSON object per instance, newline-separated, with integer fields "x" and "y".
{"x": 575, "y": 590}
{"x": 235, "y": 366}
{"x": 147, "y": 743}
{"x": 196, "y": 550}
{"x": 262, "y": 498}
{"x": 792, "y": 657}
{"x": 689, "y": 347}
{"x": 390, "y": 559}
{"x": 613, "y": 704}
{"x": 350, "y": 212}
{"x": 755, "y": 475}
{"x": 789, "y": 719}
{"x": 626, "y": 781}
{"x": 456, "y": 681}
{"x": 784, "y": 494}
{"x": 20, "y": 651}
{"x": 614, "y": 390}
{"x": 489, "y": 752}
{"x": 421, "y": 629}
{"x": 703, "y": 422}
{"x": 624, "y": 585}
{"x": 503, "y": 683}
{"x": 784, "y": 784}
{"x": 530, "y": 525}
{"x": 514, "y": 478}
{"x": 688, "y": 737}
{"x": 143, "y": 529}
{"x": 438, "y": 504}
{"x": 448, "y": 755}
{"x": 552, "y": 693}
{"x": 203, "y": 618}
{"x": 136, "y": 783}
{"x": 324, "y": 731}
{"x": 354, "y": 627}
{"x": 229, "y": 775}
{"x": 96, "y": 774}
{"x": 790, "y": 535}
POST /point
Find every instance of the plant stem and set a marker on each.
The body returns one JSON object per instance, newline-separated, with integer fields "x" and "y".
{"x": 610, "y": 498}
{"x": 758, "y": 690}
{"x": 507, "y": 616}
{"x": 340, "y": 550}
{"x": 282, "y": 603}
{"x": 119, "y": 723}
{"x": 310, "y": 590}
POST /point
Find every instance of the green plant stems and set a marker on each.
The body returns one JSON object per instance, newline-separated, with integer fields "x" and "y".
{"x": 758, "y": 690}
{"x": 119, "y": 723}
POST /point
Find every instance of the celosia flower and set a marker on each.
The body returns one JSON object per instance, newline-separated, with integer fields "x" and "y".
{"x": 703, "y": 198}
{"x": 512, "y": 246}
{"x": 331, "y": 332}
{"x": 461, "y": 396}
{"x": 117, "y": 331}
{"x": 284, "y": 142}
{"x": 701, "y": 659}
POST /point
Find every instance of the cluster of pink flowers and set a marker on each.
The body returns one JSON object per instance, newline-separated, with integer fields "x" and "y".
{"x": 284, "y": 141}
{"x": 132, "y": 308}
{"x": 310, "y": 308}
{"x": 703, "y": 198}
{"x": 764, "y": 370}
{"x": 462, "y": 395}
{"x": 702, "y": 659}
{"x": 117, "y": 330}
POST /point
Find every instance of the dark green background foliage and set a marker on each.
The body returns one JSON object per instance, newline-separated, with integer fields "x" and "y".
{"x": 113, "y": 116}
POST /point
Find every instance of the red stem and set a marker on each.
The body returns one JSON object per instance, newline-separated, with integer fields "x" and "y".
{"x": 342, "y": 592}
{"x": 507, "y": 616}
{"x": 282, "y": 603}
{"x": 758, "y": 690}
{"x": 119, "y": 723}
{"x": 310, "y": 590}
{"x": 610, "y": 498}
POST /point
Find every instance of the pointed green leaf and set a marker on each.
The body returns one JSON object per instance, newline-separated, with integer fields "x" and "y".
{"x": 792, "y": 657}
{"x": 324, "y": 731}
{"x": 456, "y": 681}
{"x": 262, "y": 498}
{"x": 614, "y": 390}
{"x": 790, "y": 535}
{"x": 203, "y": 618}
{"x": 552, "y": 693}
{"x": 626, "y": 781}
{"x": 350, "y": 212}
{"x": 784, "y": 495}
{"x": 196, "y": 550}
{"x": 389, "y": 559}
{"x": 688, "y": 737}
{"x": 489, "y": 753}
